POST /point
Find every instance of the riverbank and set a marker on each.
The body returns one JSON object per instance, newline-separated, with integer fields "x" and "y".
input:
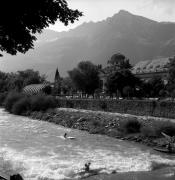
{"x": 141, "y": 129}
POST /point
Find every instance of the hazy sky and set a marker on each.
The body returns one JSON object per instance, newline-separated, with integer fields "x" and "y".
{"x": 96, "y": 10}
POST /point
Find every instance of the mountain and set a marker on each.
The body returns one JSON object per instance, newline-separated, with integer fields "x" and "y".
{"x": 136, "y": 37}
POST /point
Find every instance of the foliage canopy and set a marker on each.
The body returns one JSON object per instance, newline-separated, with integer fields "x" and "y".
{"x": 21, "y": 19}
{"x": 85, "y": 77}
{"x": 119, "y": 75}
{"x": 16, "y": 81}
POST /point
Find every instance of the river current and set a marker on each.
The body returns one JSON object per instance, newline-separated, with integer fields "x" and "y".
{"x": 37, "y": 150}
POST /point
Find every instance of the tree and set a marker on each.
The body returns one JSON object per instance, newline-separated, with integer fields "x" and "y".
{"x": 127, "y": 91}
{"x": 21, "y": 19}
{"x": 153, "y": 87}
{"x": 119, "y": 75}
{"x": 29, "y": 76}
{"x": 16, "y": 81}
{"x": 119, "y": 61}
{"x": 85, "y": 77}
{"x": 3, "y": 82}
{"x": 68, "y": 86}
{"x": 116, "y": 81}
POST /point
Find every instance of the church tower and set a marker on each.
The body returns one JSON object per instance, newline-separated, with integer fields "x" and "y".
{"x": 57, "y": 76}
{"x": 57, "y": 83}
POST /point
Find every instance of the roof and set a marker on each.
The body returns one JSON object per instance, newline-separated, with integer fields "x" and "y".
{"x": 35, "y": 88}
{"x": 155, "y": 65}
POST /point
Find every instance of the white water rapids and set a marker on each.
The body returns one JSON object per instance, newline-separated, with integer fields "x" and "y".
{"x": 37, "y": 150}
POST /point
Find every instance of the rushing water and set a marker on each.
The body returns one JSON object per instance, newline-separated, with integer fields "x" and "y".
{"x": 38, "y": 150}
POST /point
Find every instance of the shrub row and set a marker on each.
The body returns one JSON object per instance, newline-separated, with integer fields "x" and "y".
{"x": 136, "y": 107}
{"x": 153, "y": 129}
{"x": 19, "y": 104}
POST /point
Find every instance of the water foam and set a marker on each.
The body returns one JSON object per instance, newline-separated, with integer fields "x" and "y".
{"x": 55, "y": 166}
{"x": 31, "y": 167}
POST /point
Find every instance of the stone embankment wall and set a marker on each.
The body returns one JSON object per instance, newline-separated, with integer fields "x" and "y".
{"x": 135, "y": 107}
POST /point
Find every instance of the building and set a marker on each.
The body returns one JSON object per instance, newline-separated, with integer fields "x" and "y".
{"x": 34, "y": 89}
{"x": 144, "y": 70}
{"x": 57, "y": 83}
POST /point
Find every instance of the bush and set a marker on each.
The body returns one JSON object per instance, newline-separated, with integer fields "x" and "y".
{"x": 36, "y": 102}
{"x": 21, "y": 106}
{"x": 18, "y": 103}
{"x": 2, "y": 98}
{"x": 166, "y": 127}
{"x": 50, "y": 102}
{"x": 69, "y": 104}
{"x": 42, "y": 102}
{"x": 97, "y": 130}
{"x": 95, "y": 123}
{"x": 11, "y": 99}
{"x": 156, "y": 128}
{"x": 131, "y": 126}
{"x": 103, "y": 105}
{"x": 148, "y": 131}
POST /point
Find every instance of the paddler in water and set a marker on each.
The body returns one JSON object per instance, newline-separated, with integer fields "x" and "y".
{"x": 87, "y": 167}
{"x": 65, "y": 135}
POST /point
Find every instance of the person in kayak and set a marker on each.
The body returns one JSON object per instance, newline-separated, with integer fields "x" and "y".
{"x": 87, "y": 166}
{"x": 65, "y": 135}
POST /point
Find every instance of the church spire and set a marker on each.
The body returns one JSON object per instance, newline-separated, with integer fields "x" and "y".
{"x": 57, "y": 75}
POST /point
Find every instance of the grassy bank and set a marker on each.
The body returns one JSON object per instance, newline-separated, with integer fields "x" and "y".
{"x": 145, "y": 131}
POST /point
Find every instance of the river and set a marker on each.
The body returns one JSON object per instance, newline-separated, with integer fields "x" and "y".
{"x": 37, "y": 150}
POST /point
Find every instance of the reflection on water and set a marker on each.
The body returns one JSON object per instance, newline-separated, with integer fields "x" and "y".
{"x": 38, "y": 150}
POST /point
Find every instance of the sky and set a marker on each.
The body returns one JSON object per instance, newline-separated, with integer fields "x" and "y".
{"x": 97, "y": 10}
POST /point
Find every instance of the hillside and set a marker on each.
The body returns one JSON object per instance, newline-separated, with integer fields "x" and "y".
{"x": 137, "y": 37}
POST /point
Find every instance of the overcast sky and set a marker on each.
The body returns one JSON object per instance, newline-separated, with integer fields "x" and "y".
{"x": 96, "y": 10}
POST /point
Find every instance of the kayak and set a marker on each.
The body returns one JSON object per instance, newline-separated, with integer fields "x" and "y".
{"x": 164, "y": 150}
{"x": 69, "y": 137}
{"x": 85, "y": 174}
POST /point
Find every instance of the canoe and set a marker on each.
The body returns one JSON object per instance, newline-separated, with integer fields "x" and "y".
{"x": 164, "y": 150}
{"x": 69, "y": 137}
